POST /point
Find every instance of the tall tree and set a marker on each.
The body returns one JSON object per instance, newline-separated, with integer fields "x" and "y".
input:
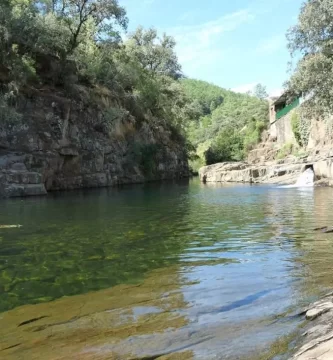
{"x": 260, "y": 91}
{"x": 61, "y": 26}
{"x": 103, "y": 15}
{"x": 312, "y": 37}
{"x": 155, "y": 54}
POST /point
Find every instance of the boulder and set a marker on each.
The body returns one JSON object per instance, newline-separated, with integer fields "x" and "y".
{"x": 317, "y": 340}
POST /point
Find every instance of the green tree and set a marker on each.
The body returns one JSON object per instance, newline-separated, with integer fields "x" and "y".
{"x": 5, "y": 18}
{"x": 312, "y": 37}
{"x": 260, "y": 91}
{"x": 75, "y": 45}
{"x": 100, "y": 15}
{"x": 209, "y": 96}
{"x": 227, "y": 146}
{"x": 296, "y": 127}
{"x": 154, "y": 53}
{"x": 224, "y": 114}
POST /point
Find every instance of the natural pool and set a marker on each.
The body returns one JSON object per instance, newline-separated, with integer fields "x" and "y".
{"x": 177, "y": 270}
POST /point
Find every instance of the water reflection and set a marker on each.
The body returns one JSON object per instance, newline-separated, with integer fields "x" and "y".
{"x": 233, "y": 259}
{"x": 317, "y": 247}
{"x": 85, "y": 324}
{"x": 81, "y": 242}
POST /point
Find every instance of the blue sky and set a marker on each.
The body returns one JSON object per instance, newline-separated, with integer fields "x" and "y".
{"x": 232, "y": 43}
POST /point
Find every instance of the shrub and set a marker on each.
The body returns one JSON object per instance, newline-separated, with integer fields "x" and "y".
{"x": 146, "y": 156}
{"x": 286, "y": 150}
{"x": 8, "y": 113}
{"x": 296, "y": 127}
{"x": 196, "y": 163}
{"x": 149, "y": 159}
{"x": 252, "y": 134}
{"x": 227, "y": 146}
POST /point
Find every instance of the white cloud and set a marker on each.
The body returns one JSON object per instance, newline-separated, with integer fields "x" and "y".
{"x": 271, "y": 45}
{"x": 199, "y": 45}
{"x": 244, "y": 88}
{"x": 276, "y": 92}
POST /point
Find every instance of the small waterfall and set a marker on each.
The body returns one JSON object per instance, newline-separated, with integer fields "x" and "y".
{"x": 306, "y": 178}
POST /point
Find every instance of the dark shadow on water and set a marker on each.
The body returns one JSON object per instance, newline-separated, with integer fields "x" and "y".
{"x": 246, "y": 301}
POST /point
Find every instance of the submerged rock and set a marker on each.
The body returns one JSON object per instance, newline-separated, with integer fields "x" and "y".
{"x": 9, "y": 226}
{"x": 325, "y": 229}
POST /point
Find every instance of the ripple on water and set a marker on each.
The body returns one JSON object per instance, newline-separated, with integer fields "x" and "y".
{"x": 232, "y": 259}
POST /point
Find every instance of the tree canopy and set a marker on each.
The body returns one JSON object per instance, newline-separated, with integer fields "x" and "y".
{"x": 259, "y": 91}
{"x": 225, "y": 124}
{"x": 154, "y": 53}
{"x": 312, "y": 39}
{"x": 68, "y": 44}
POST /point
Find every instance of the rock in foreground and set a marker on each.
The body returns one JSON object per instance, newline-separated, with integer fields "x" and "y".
{"x": 318, "y": 339}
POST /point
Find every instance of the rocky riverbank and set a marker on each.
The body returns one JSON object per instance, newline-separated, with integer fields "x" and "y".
{"x": 317, "y": 339}
{"x": 282, "y": 172}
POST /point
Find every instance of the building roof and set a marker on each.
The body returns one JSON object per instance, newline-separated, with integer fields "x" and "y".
{"x": 284, "y": 97}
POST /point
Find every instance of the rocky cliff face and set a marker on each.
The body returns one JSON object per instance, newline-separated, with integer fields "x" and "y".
{"x": 264, "y": 163}
{"x": 60, "y": 144}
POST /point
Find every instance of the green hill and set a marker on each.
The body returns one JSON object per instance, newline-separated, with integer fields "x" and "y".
{"x": 225, "y": 125}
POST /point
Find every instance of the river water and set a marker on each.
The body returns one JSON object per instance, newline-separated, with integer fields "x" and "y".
{"x": 200, "y": 271}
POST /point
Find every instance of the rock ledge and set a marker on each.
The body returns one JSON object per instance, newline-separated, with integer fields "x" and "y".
{"x": 318, "y": 338}
{"x": 283, "y": 172}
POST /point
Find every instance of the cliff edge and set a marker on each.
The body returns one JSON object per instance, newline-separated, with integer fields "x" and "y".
{"x": 59, "y": 143}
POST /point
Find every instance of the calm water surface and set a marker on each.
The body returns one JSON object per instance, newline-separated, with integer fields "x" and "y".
{"x": 207, "y": 271}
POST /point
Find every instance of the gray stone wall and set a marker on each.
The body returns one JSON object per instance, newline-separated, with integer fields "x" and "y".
{"x": 59, "y": 145}
{"x": 283, "y": 130}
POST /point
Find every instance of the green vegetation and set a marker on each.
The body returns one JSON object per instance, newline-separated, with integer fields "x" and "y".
{"x": 279, "y": 347}
{"x": 8, "y": 114}
{"x": 312, "y": 37}
{"x": 75, "y": 47}
{"x": 146, "y": 156}
{"x": 295, "y": 125}
{"x": 312, "y": 75}
{"x": 226, "y": 124}
{"x": 259, "y": 91}
{"x": 286, "y": 150}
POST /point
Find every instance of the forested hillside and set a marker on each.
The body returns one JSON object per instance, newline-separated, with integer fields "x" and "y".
{"x": 68, "y": 44}
{"x": 80, "y": 107}
{"x": 68, "y": 79}
{"x": 225, "y": 125}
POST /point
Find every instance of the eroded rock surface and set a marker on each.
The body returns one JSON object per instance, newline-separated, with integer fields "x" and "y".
{"x": 61, "y": 145}
{"x": 318, "y": 338}
{"x": 283, "y": 172}
{"x": 247, "y": 173}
